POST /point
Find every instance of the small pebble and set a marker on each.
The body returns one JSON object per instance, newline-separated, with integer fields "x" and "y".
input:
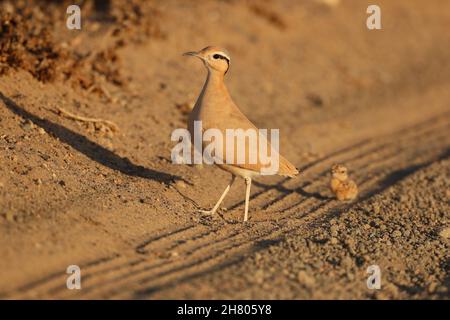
{"x": 180, "y": 184}
{"x": 305, "y": 279}
{"x": 334, "y": 230}
{"x": 258, "y": 276}
{"x": 445, "y": 233}
{"x": 9, "y": 216}
{"x": 28, "y": 125}
{"x": 432, "y": 287}
{"x": 396, "y": 234}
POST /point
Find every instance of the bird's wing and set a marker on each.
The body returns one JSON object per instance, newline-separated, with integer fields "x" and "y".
{"x": 235, "y": 119}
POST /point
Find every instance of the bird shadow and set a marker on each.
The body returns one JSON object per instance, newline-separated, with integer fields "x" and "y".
{"x": 89, "y": 148}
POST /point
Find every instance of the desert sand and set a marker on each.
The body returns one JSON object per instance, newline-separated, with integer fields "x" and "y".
{"x": 112, "y": 202}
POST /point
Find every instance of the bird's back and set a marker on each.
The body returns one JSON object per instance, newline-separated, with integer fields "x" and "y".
{"x": 216, "y": 109}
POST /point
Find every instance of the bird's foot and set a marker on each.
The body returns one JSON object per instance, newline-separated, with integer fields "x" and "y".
{"x": 206, "y": 212}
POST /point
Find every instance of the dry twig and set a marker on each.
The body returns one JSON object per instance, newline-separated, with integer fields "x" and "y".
{"x": 72, "y": 116}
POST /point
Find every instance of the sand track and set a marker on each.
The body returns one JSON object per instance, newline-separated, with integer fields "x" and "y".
{"x": 177, "y": 255}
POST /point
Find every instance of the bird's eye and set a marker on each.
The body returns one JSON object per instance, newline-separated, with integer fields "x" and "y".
{"x": 216, "y": 56}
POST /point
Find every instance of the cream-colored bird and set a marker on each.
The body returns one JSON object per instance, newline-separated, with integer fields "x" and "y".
{"x": 216, "y": 109}
{"x": 340, "y": 184}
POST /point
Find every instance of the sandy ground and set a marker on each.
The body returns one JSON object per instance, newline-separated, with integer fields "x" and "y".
{"x": 113, "y": 203}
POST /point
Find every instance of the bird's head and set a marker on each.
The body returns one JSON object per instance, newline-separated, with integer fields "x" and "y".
{"x": 214, "y": 58}
{"x": 338, "y": 171}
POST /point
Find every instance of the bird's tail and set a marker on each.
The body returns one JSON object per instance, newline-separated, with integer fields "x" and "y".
{"x": 287, "y": 169}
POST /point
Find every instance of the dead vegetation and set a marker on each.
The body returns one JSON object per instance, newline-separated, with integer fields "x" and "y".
{"x": 26, "y": 43}
{"x": 104, "y": 125}
{"x": 29, "y": 41}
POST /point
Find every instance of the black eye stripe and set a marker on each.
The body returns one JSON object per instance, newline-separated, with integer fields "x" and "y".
{"x": 219, "y": 56}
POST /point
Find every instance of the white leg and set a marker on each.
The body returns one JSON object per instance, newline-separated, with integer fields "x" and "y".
{"x": 248, "y": 184}
{"x": 213, "y": 210}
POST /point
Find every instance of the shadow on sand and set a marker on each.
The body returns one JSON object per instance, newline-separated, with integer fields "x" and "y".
{"x": 89, "y": 148}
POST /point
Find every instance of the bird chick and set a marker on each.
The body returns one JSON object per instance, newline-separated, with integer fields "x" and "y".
{"x": 341, "y": 185}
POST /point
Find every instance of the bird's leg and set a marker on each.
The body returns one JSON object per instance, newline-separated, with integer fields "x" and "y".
{"x": 213, "y": 210}
{"x": 248, "y": 184}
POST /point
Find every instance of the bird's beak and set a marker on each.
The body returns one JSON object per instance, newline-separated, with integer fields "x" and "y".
{"x": 192, "y": 53}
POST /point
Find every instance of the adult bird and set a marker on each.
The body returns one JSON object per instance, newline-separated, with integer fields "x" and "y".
{"x": 216, "y": 110}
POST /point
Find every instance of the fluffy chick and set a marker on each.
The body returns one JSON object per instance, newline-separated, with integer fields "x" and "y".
{"x": 341, "y": 185}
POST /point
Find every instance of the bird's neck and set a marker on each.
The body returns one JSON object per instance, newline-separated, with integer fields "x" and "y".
{"x": 214, "y": 80}
{"x": 214, "y": 89}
